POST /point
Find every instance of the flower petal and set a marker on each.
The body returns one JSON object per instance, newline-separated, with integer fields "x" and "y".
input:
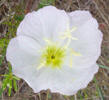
{"x": 65, "y": 81}
{"x": 22, "y": 52}
{"x": 79, "y": 17}
{"x": 89, "y": 39}
{"x": 46, "y": 23}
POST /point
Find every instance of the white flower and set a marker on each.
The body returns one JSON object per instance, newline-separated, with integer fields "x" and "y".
{"x": 56, "y": 50}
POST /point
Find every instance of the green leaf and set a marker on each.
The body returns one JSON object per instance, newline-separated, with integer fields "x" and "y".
{"x": 1, "y": 91}
{"x": 16, "y": 78}
{"x": 10, "y": 68}
{"x": 81, "y": 98}
{"x": 5, "y": 82}
{"x": 100, "y": 93}
{"x": 99, "y": 90}
{"x": 10, "y": 87}
{"x": 9, "y": 91}
{"x": 19, "y": 17}
{"x": 46, "y": 3}
{"x": 1, "y": 60}
{"x": 6, "y": 75}
{"x": 10, "y": 83}
{"x": 15, "y": 85}
{"x": 102, "y": 66}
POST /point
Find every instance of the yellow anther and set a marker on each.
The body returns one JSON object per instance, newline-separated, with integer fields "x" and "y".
{"x": 67, "y": 35}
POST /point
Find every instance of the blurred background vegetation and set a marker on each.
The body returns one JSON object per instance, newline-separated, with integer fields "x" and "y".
{"x": 12, "y": 13}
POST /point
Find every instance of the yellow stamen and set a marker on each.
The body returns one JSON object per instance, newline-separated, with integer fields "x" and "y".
{"x": 52, "y": 56}
{"x": 75, "y": 53}
{"x": 41, "y": 65}
{"x": 67, "y": 44}
{"x": 71, "y": 63}
{"x": 48, "y": 41}
{"x": 67, "y": 35}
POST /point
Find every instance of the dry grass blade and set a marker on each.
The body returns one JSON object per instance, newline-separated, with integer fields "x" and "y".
{"x": 106, "y": 21}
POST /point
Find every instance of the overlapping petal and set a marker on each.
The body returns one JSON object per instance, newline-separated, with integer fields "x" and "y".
{"x": 89, "y": 39}
{"x": 22, "y": 52}
{"x": 47, "y": 23}
{"x": 64, "y": 81}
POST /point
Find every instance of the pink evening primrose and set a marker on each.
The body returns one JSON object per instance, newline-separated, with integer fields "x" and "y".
{"x": 56, "y": 50}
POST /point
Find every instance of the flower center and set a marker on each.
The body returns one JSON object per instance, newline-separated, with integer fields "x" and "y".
{"x": 53, "y": 56}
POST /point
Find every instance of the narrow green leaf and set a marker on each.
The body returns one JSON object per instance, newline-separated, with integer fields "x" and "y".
{"x": 1, "y": 60}
{"x": 102, "y": 66}
{"x": 10, "y": 68}
{"x": 10, "y": 87}
{"x": 99, "y": 90}
{"x": 4, "y": 85}
{"x": 1, "y": 91}
{"x": 100, "y": 93}
{"x": 10, "y": 83}
{"x": 16, "y": 78}
{"x": 9, "y": 91}
{"x": 15, "y": 85}
{"x": 6, "y": 75}
{"x": 5, "y": 82}
{"x": 81, "y": 98}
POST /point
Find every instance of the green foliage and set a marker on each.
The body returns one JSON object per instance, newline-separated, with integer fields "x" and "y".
{"x": 3, "y": 45}
{"x": 9, "y": 81}
{"x": 46, "y": 3}
{"x": 19, "y": 18}
{"x": 12, "y": 23}
{"x": 105, "y": 67}
{"x": 80, "y": 95}
{"x": 99, "y": 90}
